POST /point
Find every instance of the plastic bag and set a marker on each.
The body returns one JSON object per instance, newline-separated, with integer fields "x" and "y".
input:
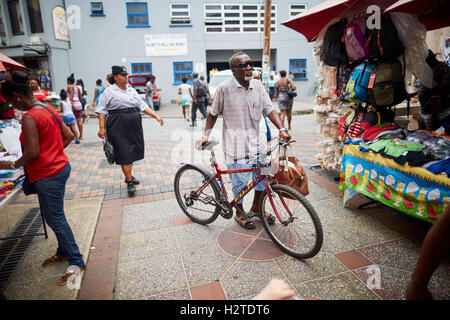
{"x": 416, "y": 49}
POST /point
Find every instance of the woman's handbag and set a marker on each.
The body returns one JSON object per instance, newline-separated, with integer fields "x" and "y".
{"x": 27, "y": 186}
{"x": 109, "y": 150}
{"x": 291, "y": 93}
{"x": 179, "y": 99}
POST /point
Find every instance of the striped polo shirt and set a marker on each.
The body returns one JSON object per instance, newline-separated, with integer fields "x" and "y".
{"x": 242, "y": 110}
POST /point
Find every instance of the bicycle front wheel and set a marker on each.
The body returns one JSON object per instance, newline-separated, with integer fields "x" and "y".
{"x": 297, "y": 229}
{"x": 195, "y": 193}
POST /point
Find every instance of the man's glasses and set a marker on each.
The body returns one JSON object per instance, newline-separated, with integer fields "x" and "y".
{"x": 244, "y": 65}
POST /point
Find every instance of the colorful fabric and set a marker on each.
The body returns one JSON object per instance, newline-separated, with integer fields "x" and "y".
{"x": 412, "y": 190}
{"x": 394, "y": 147}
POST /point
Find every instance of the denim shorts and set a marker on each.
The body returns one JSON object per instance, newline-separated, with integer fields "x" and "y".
{"x": 69, "y": 119}
{"x": 240, "y": 180}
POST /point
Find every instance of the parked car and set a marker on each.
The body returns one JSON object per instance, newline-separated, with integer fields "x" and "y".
{"x": 139, "y": 81}
{"x": 219, "y": 77}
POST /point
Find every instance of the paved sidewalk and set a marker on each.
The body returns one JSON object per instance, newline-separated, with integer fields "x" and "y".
{"x": 145, "y": 248}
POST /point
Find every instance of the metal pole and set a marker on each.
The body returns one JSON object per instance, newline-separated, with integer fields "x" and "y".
{"x": 266, "y": 49}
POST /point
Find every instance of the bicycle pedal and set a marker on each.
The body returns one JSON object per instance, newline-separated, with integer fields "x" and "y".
{"x": 207, "y": 200}
{"x": 249, "y": 215}
{"x": 226, "y": 214}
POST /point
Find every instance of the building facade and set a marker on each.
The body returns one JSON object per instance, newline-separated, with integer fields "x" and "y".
{"x": 32, "y": 33}
{"x": 170, "y": 39}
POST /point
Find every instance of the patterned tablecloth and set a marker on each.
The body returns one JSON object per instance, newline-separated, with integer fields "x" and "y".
{"x": 412, "y": 190}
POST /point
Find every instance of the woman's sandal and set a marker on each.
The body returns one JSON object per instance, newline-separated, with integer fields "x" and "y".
{"x": 65, "y": 277}
{"x": 52, "y": 260}
{"x": 245, "y": 223}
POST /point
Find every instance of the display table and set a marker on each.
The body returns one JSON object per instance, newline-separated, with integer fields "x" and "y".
{"x": 412, "y": 190}
{"x": 10, "y": 197}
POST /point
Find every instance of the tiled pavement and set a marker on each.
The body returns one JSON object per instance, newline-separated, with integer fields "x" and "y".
{"x": 145, "y": 248}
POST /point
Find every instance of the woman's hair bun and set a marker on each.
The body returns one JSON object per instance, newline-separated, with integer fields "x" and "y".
{"x": 72, "y": 75}
{"x": 19, "y": 77}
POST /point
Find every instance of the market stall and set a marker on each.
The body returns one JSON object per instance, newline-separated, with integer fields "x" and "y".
{"x": 365, "y": 62}
{"x": 10, "y": 180}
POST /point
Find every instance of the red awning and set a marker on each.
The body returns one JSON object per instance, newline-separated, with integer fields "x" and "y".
{"x": 434, "y": 14}
{"x": 312, "y": 21}
{"x": 10, "y": 63}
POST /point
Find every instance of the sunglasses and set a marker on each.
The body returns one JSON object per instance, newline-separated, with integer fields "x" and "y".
{"x": 244, "y": 65}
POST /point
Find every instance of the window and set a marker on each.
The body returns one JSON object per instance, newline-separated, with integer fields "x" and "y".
{"x": 97, "y": 9}
{"x": 295, "y": 9}
{"x": 182, "y": 70}
{"x": 297, "y": 69}
{"x": 137, "y": 13}
{"x": 2, "y": 26}
{"x": 236, "y": 18}
{"x": 34, "y": 14}
{"x": 141, "y": 68}
{"x": 180, "y": 13}
{"x": 15, "y": 17}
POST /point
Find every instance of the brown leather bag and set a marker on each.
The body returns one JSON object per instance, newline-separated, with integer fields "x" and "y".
{"x": 294, "y": 175}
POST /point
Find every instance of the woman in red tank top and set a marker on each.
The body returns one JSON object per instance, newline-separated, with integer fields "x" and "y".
{"x": 44, "y": 137}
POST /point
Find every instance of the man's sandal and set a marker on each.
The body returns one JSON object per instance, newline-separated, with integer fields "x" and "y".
{"x": 245, "y": 223}
{"x": 52, "y": 260}
{"x": 66, "y": 276}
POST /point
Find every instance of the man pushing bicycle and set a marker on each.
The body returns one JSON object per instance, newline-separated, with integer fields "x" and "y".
{"x": 241, "y": 101}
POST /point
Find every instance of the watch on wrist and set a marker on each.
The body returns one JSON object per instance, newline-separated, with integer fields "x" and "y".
{"x": 13, "y": 165}
{"x": 283, "y": 129}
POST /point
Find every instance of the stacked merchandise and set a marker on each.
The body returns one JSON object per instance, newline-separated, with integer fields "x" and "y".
{"x": 362, "y": 74}
{"x": 10, "y": 151}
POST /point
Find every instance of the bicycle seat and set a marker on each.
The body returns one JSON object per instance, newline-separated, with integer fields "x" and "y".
{"x": 209, "y": 145}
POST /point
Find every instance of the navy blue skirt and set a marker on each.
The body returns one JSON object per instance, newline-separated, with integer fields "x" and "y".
{"x": 124, "y": 131}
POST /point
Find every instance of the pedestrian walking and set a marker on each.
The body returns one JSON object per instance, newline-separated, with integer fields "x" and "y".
{"x": 242, "y": 101}
{"x": 120, "y": 122}
{"x": 74, "y": 94}
{"x": 80, "y": 84}
{"x": 97, "y": 91}
{"x": 285, "y": 102}
{"x": 149, "y": 92}
{"x": 185, "y": 91}
{"x": 66, "y": 108}
{"x": 201, "y": 93}
{"x": 272, "y": 83}
{"x": 44, "y": 137}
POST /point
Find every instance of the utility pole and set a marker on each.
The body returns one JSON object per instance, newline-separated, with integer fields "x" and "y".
{"x": 266, "y": 49}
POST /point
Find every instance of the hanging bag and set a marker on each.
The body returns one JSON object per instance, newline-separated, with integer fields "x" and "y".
{"x": 354, "y": 38}
{"x": 291, "y": 173}
{"x": 387, "y": 87}
{"x": 333, "y": 49}
{"x": 384, "y": 44}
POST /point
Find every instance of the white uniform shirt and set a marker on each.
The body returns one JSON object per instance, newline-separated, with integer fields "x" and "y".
{"x": 114, "y": 98}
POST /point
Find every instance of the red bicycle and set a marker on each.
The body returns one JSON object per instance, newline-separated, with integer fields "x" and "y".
{"x": 202, "y": 197}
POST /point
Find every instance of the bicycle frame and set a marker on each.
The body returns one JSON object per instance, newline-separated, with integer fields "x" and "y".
{"x": 246, "y": 189}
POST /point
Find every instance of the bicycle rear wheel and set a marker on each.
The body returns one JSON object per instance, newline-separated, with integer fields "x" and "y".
{"x": 195, "y": 194}
{"x": 297, "y": 229}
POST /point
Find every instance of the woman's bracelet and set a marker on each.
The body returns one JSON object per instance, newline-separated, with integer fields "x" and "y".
{"x": 205, "y": 137}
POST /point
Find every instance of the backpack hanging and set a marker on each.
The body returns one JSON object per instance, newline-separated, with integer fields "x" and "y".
{"x": 355, "y": 41}
{"x": 357, "y": 85}
{"x": 384, "y": 44}
{"x": 386, "y": 87}
{"x": 333, "y": 49}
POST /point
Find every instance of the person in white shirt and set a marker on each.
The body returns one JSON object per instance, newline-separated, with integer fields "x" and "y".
{"x": 185, "y": 90}
{"x": 65, "y": 107}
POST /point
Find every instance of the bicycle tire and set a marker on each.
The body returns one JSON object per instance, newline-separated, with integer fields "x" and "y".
{"x": 181, "y": 192}
{"x": 290, "y": 243}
